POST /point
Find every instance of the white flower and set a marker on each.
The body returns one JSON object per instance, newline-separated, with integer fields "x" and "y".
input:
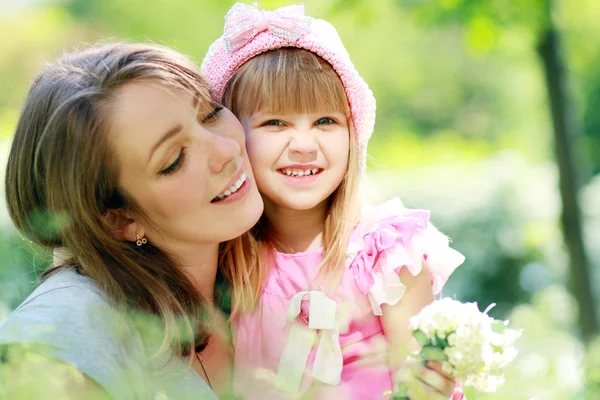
{"x": 476, "y": 346}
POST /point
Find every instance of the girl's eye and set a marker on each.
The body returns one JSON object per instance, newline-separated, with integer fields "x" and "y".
{"x": 175, "y": 165}
{"x": 272, "y": 122}
{"x": 324, "y": 121}
{"x": 212, "y": 115}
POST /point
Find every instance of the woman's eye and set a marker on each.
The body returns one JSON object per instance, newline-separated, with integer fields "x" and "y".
{"x": 272, "y": 122}
{"x": 175, "y": 165}
{"x": 212, "y": 115}
{"x": 324, "y": 121}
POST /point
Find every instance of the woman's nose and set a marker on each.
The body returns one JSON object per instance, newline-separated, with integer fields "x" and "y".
{"x": 222, "y": 150}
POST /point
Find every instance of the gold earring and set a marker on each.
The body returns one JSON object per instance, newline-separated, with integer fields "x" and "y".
{"x": 141, "y": 240}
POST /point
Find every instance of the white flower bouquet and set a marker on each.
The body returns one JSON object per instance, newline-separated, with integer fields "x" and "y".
{"x": 472, "y": 346}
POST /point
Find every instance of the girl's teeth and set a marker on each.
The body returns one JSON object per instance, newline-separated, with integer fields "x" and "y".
{"x": 307, "y": 172}
{"x": 227, "y": 193}
{"x": 221, "y": 196}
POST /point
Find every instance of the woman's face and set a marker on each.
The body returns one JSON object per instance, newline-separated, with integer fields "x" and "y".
{"x": 185, "y": 165}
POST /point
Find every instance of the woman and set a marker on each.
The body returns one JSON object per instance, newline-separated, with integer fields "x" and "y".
{"x": 122, "y": 158}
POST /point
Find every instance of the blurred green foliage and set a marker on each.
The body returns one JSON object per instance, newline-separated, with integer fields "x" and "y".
{"x": 463, "y": 129}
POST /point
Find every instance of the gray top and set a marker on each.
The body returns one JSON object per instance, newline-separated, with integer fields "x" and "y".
{"x": 70, "y": 318}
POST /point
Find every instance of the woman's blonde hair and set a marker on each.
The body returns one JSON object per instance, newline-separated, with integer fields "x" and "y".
{"x": 298, "y": 81}
{"x": 61, "y": 164}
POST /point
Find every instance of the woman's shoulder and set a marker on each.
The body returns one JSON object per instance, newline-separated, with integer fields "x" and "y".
{"x": 66, "y": 301}
{"x": 70, "y": 319}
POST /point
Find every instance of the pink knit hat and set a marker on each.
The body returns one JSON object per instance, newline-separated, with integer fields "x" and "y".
{"x": 249, "y": 32}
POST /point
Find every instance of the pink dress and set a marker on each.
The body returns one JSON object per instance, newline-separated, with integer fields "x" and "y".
{"x": 303, "y": 342}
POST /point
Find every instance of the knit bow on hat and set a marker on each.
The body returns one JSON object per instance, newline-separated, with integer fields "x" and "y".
{"x": 243, "y": 22}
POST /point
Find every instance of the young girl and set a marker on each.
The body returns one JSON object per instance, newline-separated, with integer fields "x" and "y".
{"x": 323, "y": 311}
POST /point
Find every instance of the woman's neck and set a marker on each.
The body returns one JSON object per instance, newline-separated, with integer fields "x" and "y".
{"x": 200, "y": 263}
{"x": 295, "y": 231}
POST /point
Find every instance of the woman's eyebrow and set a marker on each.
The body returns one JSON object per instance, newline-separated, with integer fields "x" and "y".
{"x": 169, "y": 134}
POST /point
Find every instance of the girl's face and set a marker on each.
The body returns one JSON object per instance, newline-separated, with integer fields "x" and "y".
{"x": 298, "y": 160}
{"x": 181, "y": 161}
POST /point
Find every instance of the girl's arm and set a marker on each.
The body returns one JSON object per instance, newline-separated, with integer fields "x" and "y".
{"x": 395, "y": 317}
{"x": 395, "y": 321}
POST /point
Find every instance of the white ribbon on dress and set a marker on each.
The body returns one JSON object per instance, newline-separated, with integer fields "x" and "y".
{"x": 327, "y": 367}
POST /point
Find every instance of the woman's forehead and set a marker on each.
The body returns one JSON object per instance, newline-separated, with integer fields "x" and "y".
{"x": 142, "y": 112}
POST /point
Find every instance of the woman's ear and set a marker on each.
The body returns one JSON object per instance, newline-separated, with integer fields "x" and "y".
{"x": 123, "y": 227}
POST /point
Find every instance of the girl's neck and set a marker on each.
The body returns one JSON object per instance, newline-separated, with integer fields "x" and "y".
{"x": 295, "y": 231}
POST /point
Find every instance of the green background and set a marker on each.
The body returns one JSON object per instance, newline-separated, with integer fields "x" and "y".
{"x": 463, "y": 128}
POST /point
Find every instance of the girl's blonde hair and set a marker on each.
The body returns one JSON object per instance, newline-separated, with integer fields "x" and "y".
{"x": 298, "y": 81}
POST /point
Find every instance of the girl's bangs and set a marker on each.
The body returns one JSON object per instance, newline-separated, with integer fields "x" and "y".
{"x": 287, "y": 80}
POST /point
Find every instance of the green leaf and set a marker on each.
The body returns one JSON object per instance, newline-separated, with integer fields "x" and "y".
{"x": 401, "y": 393}
{"x": 421, "y": 338}
{"x": 47, "y": 224}
{"x": 434, "y": 354}
{"x": 498, "y": 326}
{"x": 441, "y": 343}
{"x": 497, "y": 349}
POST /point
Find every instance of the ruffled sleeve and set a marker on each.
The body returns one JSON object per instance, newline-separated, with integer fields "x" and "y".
{"x": 390, "y": 237}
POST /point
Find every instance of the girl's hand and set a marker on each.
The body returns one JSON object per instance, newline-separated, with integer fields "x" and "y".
{"x": 429, "y": 382}
{"x": 452, "y": 388}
